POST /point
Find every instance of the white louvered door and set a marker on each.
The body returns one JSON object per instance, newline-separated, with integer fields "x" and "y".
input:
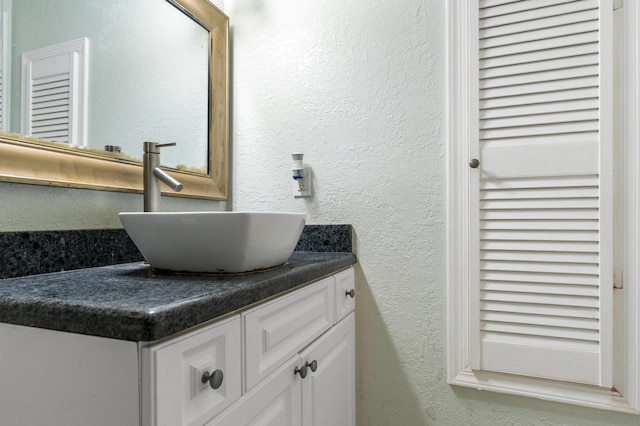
{"x": 541, "y": 295}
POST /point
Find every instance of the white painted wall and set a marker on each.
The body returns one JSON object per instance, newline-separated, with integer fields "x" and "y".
{"x": 43, "y": 208}
{"x": 359, "y": 87}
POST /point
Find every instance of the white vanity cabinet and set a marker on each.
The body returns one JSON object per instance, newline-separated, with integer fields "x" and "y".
{"x": 299, "y": 361}
{"x": 242, "y": 369}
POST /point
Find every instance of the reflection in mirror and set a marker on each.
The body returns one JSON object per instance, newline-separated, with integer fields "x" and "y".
{"x": 147, "y": 70}
{"x": 156, "y": 70}
{"x": 5, "y": 49}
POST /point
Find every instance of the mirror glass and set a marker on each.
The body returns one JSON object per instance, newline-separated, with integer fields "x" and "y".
{"x": 83, "y": 84}
{"x": 147, "y": 70}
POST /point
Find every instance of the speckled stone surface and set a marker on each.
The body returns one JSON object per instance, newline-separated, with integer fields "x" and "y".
{"x": 39, "y": 252}
{"x": 133, "y": 302}
{"x": 326, "y": 238}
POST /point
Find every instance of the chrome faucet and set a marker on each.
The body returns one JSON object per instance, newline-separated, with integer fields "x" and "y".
{"x": 152, "y": 174}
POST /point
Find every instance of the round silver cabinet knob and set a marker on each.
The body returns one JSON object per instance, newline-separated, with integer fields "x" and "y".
{"x": 474, "y": 163}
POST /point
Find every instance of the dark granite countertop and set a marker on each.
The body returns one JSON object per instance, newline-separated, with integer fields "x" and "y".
{"x": 132, "y": 302}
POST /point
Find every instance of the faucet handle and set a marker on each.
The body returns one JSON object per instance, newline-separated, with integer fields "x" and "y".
{"x": 154, "y": 147}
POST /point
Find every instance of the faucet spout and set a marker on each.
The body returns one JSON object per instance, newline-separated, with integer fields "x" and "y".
{"x": 153, "y": 175}
{"x": 166, "y": 178}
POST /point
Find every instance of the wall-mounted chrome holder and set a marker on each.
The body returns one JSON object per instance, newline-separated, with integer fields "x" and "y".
{"x": 301, "y": 177}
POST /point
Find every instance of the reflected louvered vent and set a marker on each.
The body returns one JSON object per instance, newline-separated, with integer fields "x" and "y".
{"x": 540, "y": 216}
{"x": 50, "y": 102}
{"x": 54, "y": 92}
{"x": 2, "y": 99}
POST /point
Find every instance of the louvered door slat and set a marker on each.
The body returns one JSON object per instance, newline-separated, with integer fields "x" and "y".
{"x": 541, "y": 193}
{"x": 543, "y": 44}
{"x": 542, "y": 214}
{"x": 53, "y": 109}
{"x": 539, "y": 77}
{"x": 539, "y": 183}
{"x": 539, "y": 235}
{"x": 531, "y": 10}
{"x": 539, "y": 257}
{"x": 497, "y": 8}
{"x": 556, "y": 331}
{"x": 550, "y": 246}
{"x": 539, "y": 34}
{"x": 525, "y": 287}
{"x": 535, "y": 56}
{"x": 48, "y": 115}
{"x": 538, "y": 266}
{"x": 550, "y": 320}
{"x": 550, "y": 224}
{"x": 535, "y": 109}
{"x": 537, "y": 24}
{"x": 541, "y": 299}
{"x": 549, "y": 203}
{"x": 590, "y": 115}
{"x": 56, "y": 105}
{"x": 547, "y": 86}
{"x": 493, "y": 3}
{"x": 47, "y": 83}
{"x": 537, "y": 67}
{"x": 39, "y": 91}
{"x": 39, "y": 98}
{"x": 539, "y": 98}
{"x": 50, "y": 126}
{"x": 543, "y": 305}
{"x": 543, "y": 310}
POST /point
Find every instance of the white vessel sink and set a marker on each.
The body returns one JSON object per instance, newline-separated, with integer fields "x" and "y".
{"x": 214, "y": 242}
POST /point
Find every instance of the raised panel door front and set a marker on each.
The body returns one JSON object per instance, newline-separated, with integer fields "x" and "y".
{"x": 328, "y": 393}
{"x": 274, "y": 402}
{"x": 181, "y": 396}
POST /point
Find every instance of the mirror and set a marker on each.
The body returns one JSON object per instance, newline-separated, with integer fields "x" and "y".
{"x": 170, "y": 85}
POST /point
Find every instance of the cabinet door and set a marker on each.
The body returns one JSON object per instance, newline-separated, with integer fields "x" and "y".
{"x": 345, "y": 293}
{"x": 275, "y": 401}
{"x": 279, "y": 329}
{"x": 179, "y": 396}
{"x": 328, "y": 394}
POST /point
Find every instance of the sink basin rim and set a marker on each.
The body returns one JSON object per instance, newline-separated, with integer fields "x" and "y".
{"x": 214, "y": 242}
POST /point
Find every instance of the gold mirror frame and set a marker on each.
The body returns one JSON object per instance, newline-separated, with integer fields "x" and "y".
{"x": 51, "y": 164}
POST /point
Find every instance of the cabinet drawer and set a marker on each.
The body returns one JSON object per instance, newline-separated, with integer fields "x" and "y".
{"x": 179, "y": 396}
{"x": 277, "y": 330}
{"x": 345, "y": 293}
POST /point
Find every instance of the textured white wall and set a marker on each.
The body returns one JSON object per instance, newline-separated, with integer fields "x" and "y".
{"x": 359, "y": 87}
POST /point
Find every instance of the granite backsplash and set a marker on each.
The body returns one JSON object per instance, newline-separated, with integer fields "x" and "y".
{"x": 39, "y": 252}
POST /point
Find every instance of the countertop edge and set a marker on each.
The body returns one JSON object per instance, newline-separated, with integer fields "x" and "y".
{"x": 163, "y": 321}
